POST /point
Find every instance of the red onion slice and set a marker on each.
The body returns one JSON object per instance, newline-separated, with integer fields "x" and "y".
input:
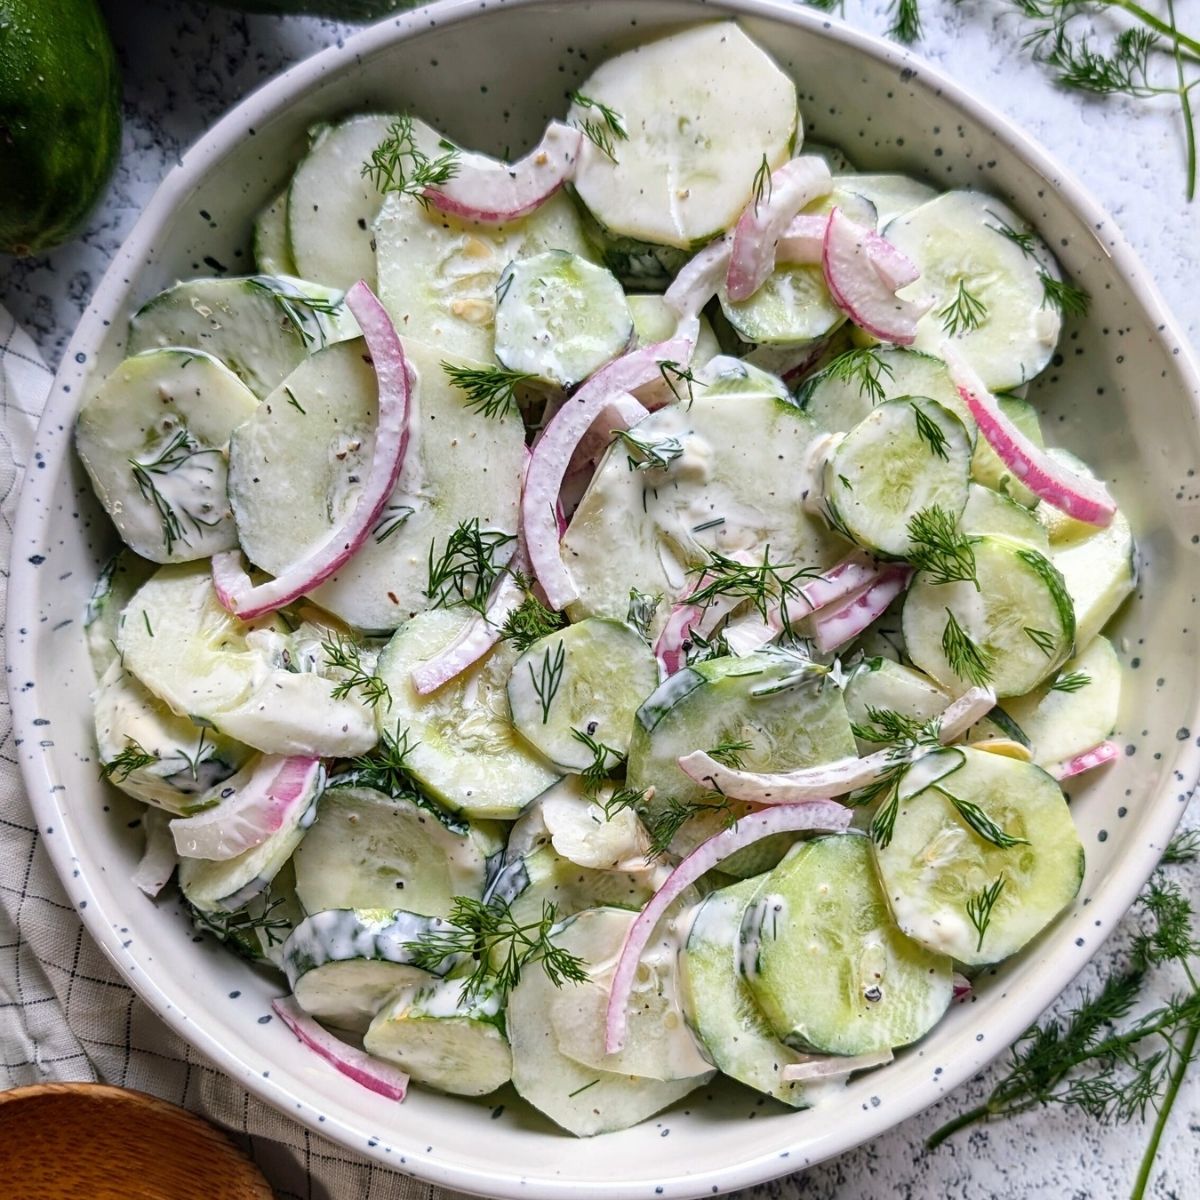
{"x": 158, "y": 859}
{"x": 803, "y": 241}
{"x": 856, "y": 285}
{"x": 486, "y": 189}
{"x": 257, "y": 802}
{"x": 854, "y": 572}
{"x": 832, "y": 1066}
{"x": 552, "y": 454}
{"x": 962, "y": 987}
{"x": 1097, "y": 756}
{"x": 699, "y": 278}
{"x": 825, "y": 816}
{"x": 1085, "y": 499}
{"x": 671, "y": 647}
{"x": 235, "y": 589}
{"x": 834, "y": 629}
{"x": 827, "y": 779}
{"x": 762, "y": 223}
{"x": 372, "y": 1073}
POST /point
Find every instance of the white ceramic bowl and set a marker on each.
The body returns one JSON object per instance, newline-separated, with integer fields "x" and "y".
{"x": 1125, "y": 396}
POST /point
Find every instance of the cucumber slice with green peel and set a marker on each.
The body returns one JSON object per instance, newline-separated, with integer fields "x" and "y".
{"x": 892, "y": 195}
{"x": 459, "y": 467}
{"x": 701, "y": 110}
{"x": 721, "y": 493}
{"x": 636, "y": 263}
{"x": 986, "y": 465}
{"x": 153, "y": 754}
{"x": 937, "y": 870}
{"x": 235, "y": 676}
{"x": 1076, "y": 710}
{"x": 465, "y": 750}
{"x": 904, "y": 456}
{"x": 272, "y": 251}
{"x": 444, "y": 1039}
{"x": 848, "y": 389}
{"x": 583, "y": 1100}
{"x": 438, "y": 274}
{"x": 659, "y": 1043}
{"x": 793, "y": 308}
{"x": 721, "y": 1008}
{"x": 559, "y": 317}
{"x": 153, "y": 440}
{"x": 1013, "y": 631}
{"x": 590, "y": 677}
{"x": 368, "y": 850}
{"x": 826, "y": 962}
{"x": 331, "y": 204}
{"x": 260, "y": 326}
{"x": 987, "y": 290}
{"x": 988, "y": 512}
{"x": 883, "y": 685}
{"x": 777, "y": 710}
{"x": 120, "y": 577}
{"x": 343, "y": 964}
{"x": 1100, "y": 571}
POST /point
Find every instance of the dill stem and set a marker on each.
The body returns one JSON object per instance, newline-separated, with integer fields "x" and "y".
{"x": 1185, "y": 103}
{"x": 1164, "y": 1112}
{"x": 979, "y": 1113}
{"x": 1167, "y": 29}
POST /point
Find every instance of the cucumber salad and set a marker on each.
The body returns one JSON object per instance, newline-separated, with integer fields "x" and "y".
{"x": 609, "y": 618}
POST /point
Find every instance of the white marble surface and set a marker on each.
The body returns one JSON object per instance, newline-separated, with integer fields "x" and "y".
{"x": 185, "y": 64}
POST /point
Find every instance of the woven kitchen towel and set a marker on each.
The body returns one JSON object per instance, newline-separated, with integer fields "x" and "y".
{"x": 65, "y": 1014}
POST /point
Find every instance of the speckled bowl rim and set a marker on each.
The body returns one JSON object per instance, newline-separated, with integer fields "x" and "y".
{"x": 507, "y": 1180}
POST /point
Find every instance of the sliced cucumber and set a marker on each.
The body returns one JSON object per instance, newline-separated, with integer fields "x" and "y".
{"x": 1100, "y": 571}
{"x": 120, "y": 577}
{"x": 987, "y": 467}
{"x": 438, "y": 275}
{"x": 904, "y": 456}
{"x": 792, "y": 308}
{"x": 722, "y": 493}
{"x": 207, "y": 665}
{"x": 659, "y": 1044}
{"x": 368, "y": 850}
{"x": 559, "y": 317}
{"x": 937, "y": 868}
{"x": 153, "y": 440}
{"x": 331, "y": 204}
{"x": 272, "y": 253}
{"x": 466, "y": 751}
{"x": 443, "y": 1038}
{"x": 834, "y": 156}
{"x": 778, "y": 709}
{"x": 993, "y": 512}
{"x": 843, "y": 393}
{"x": 720, "y": 1006}
{"x": 956, "y": 241}
{"x": 259, "y": 326}
{"x": 1020, "y": 619}
{"x": 151, "y": 753}
{"x": 583, "y": 1100}
{"x": 589, "y": 677}
{"x": 827, "y": 964}
{"x": 892, "y": 195}
{"x": 1075, "y": 711}
{"x": 884, "y": 685}
{"x": 343, "y": 964}
{"x": 702, "y": 110}
{"x": 636, "y": 263}
{"x": 655, "y": 321}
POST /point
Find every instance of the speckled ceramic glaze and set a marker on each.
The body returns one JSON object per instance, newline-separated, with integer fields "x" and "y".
{"x": 1122, "y": 392}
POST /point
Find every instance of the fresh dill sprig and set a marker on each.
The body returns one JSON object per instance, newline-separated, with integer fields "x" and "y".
{"x": 1073, "y": 681}
{"x": 763, "y": 584}
{"x": 623, "y": 798}
{"x": 201, "y": 755}
{"x": 663, "y": 824}
{"x": 906, "y": 20}
{"x": 500, "y": 945}
{"x": 132, "y": 758}
{"x": 899, "y": 733}
{"x": 467, "y": 568}
{"x": 940, "y": 549}
{"x": 291, "y": 399}
{"x": 490, "y": 391}
{"x": 967, "y": 659}
{"x": 548, "y": 677}
{"x": 385, "y": 768}
{"x": 605, "y": 132}
{"x": 930, "y": 432}
{"x": 1070, "y": 300}
{"x": 763, "y": 184}
{"x": 728, "y": 752}
{"x": 673, "y": 375}
{"x": 238, "y": 929}
{"x": 343, "y": 653}
{"x": 1043, "y": 639}
{"x": 650, "y": 454}
{"x": 642, "y": 607}
{"x": 1182, "y": 848}
{"x": 390, "y": 521}
{"x": 595, "y": 774}
{"x": 180, "y": 451}
{"x": 1024, "y": 239}
{"x": 965, "y": 312}
{"x": 698, "y": 647}
{"x": 865, "y": 368}
{"x": 982, "y": 824}
{"x": 980, "y": 906}
{"x": 398, "y": 164}
{"x": 531, "y": 620}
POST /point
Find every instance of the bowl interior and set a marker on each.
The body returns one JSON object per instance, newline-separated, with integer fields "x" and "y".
{"x": 1121, "y": 393}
